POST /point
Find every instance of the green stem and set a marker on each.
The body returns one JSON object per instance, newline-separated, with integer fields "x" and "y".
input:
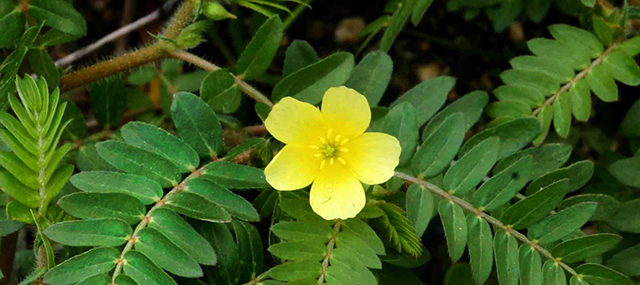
{"x": 330, "y": 246}
{"x": 208, "y": 66}
{"x": 147, "y": 218}
{"x": 575, "y": 79}
{"x": 497, "y": 223}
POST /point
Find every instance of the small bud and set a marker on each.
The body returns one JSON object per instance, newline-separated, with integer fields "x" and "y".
{"x": 215, "y": 11}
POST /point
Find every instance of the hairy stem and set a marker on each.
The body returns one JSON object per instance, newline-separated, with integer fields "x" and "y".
{"x": 497, "y": 223}
{"x": 330, "y": 246}
{"x": 208, "y": 66}
{"x": 575, "y": 79}
{"x": 147, "y": 218}
{"x": 157, "y": 51}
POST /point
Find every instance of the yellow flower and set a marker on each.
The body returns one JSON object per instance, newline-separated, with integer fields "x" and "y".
{"x": 330, "y": 149}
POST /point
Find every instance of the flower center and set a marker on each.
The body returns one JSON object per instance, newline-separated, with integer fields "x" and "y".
{"x": 330, "y": 148}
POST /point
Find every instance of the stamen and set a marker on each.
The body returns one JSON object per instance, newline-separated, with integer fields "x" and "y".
{"x": 322, "y": 163}
{"x": 341, "y": 160}
{"x": 317, "y": 155}
{"x": 323, "y": 140}
{"x": 344, "y": 149}
{"x": 329, "y": 133}
{"x": 314, "y": 147}
{"x": 331, "y": 161}
{"x": 337, "y": 138}
{"x": 344, "y": 141}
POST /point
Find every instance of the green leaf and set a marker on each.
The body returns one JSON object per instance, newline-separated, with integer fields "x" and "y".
{"x": 108, "y": 205}
{"x": 602, "y": 84}
{"x": 560, "y": 71}
{"x": 513, "y": 135}
{"x": 630, "y": 126}
{"x": 627, "y": 261}
{"x": 396, "y": 22}
{"x": 7, "y": 226}
{"x": 602, "y": 30}
{"x": 630, "y": 46}
{"x": 428, "y": 96}
{"x": 250, "y": 249}
{"x": 546, "y": 158}
{"x": 90, "y": 232}
{"x": 310, "y": 83}
{"x": 627, "y": 218}
{"x": 19, "y": 170}
{"x": 455, "y": 228}
{"x": 529, "y": 265}
{"x": 578, "y": 249}
{"x": 300, "y": 209}
{"x": 343, "y": 262}
{"x": 361, "y": 250}
{"x": 587, "y": 40}
{"x": 419, "y": 9}
{"x": 506, "y": 14}
{"x": 218, "y": 89}
{"x": 465, "y": 174}
{"x": 459, "y": 274}
{"x": 622, "y": 67}
{"x": 79, "y": 267}
{"x": 545, "y": 116}
{"x": 166, "y": 254}
{"x": 471, "y": 105}
{"x": 19, "y": 212}
{"x": 607, "y": 206}
{"x": 552, "y": 273}
{"x": 160, "y": 142}
{"x": 221, "y": 196}
{"x": 578, "y": 174}
{"x": 562, "y": 224}
{"x": 299, "y": 54}
{"x": 88, "y": 158}
{"x": 626, "y": 171}
{"x": 43, "y": 65}
{"x": 142, "y": 75}
{"x": 560, "y": 51}
{"x": 244, "y": 147}
{"x": 197, "y": 207}
{"x": 78, "y": 127}
{"x": 13, "y": 21}
{"x": 257, "y": 56}
{"x": 505, "y": 249}
{"x": 597, "y": 274}
{"x": 289, "y": 271}
{"x": 146, "y": 190}
{"x": 108, "y": 101}
{"x": 401, "y": 122}
{"x": 500, "y": 188}
{"x": 197, "y": 124}
{"x": 144, "y": 271}
{"x": 533, "y": 97}
{"x": 366, "y": 234}
{"x": 480, "y": 248}
{"x": 235, "y": 176}
{"x": 535, "y": 207}
{"x": 183, "y": 235}
{"x": 58, "y": 14}
{"x": 302, "y": 231}
{"x": 297, "y": 250}
{"x": 140, "y": 162}
{"x": 580, "y": 98}
{"x": 96, "y": 280}
{"x": 371, "y": 76}
{"x": 23, "y": 194}
{"x": 440, "y": 148}
{"x": 420, "y": 204}
{"x": 530, "y": 79}
{"x": 512, "y": 109}
{"x": 562, "y": 114}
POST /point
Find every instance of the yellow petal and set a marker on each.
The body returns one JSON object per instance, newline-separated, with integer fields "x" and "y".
{"x": 294, "y": 167}
{"x": 336, "y": 193}
{"x": 292, "y": 121}
{"x": 372, "y": 157}
{"x": 346, "y": 111}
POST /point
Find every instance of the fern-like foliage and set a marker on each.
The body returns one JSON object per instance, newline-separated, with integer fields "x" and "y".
{"x": 33, "y": 170}
{"x": 556, "y": 82}
{"x": 112, "y": 206}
